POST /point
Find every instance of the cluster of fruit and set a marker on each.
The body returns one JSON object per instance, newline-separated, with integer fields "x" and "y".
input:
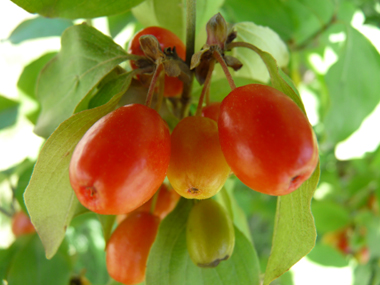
{"x": 257, "y": 133}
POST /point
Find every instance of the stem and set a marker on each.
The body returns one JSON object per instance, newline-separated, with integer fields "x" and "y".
{"x": 220, "y": 59}
{"x": 206, "y": 87}
{"x": 190, "y": 29}
{"x": 161, "y": 89}
{"x": 190, "y": 47}
{"x": 154, "y": 201}
{"x": 153, "y": 84}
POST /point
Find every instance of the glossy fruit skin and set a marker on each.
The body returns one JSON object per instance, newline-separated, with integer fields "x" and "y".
{"x": 212, "y": 111}
{"x": 21, "y": 224}
{"x": 197, "y": 167}
{"x": 266, "y": 139}
{"x": 210, "y": 234}
{"x": 128, "y": 247}
{"x": 121, "y": 161}
{"x": 166, "y": 38}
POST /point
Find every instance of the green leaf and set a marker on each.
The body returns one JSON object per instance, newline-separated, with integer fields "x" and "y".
{"x": 85, "y": 236}
{"x": 73, "y": 9}
{"x": 295, "y": 20}
{"x": 327, "y": 255}
{"x": 28, "y": 78}
{"x": 22, "y": 183}
{"x": 107, "y": 222}
{"x": 266, "y": 40}
{"x": 29, "y": 266}
{"x": 38, "y": 28}
{"x": 6, "y": 255}
{"x": 49, "y": 198}
{"x": 8, "y": 112}
{"x": 86, "y": 57}
{"x": 170, "y": 263}
{"x": 353, "y": 85}
{"x": 171, "y": 14}
{"x": 329, "y": 216}
{"x": 294, "y": 231}
{"x": 118, "y": 22}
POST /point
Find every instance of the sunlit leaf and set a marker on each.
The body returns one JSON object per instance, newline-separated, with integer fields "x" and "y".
{"x": 8, "y": 112}
{"x": 86, "y": 57}
{"x": 73, "y": 9}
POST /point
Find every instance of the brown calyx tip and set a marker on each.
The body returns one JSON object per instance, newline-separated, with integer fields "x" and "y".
{"x": 91, "y": 190}
{"x": 215, "y": 263}
{"x": 193, "y": 190}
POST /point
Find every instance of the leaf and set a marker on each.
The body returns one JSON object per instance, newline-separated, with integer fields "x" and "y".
{"x": 353, "y": 86}
{"x": 326, "y": 255}
{"x": 85, "y": 237}
{"x": 265, "y": 39}
{"x": 323, "y": 212}
{"x": 49, "y": 198}
{"x": 22, "y": 183}
{"x": 171, "y": 14}
{"x": 8, "y": 112}
{"x": 86, "y": 57}
{"x": 107, "y": 222}
{"x": 73, "y": 9}
{"x": 29, "y": 266}
{"x": 6, "y": 255}
{"x": 170, "y": 263}
{"x": 294, "y": 232}
{"x": 295, "y": 20}
{"x": 38, "y": 27}
{"x": 28, "y": 78}
{"x": 118, "y": 22}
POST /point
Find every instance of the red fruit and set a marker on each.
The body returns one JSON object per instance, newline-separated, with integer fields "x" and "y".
{"x": 166, "y": 201}
{"x": 166, "y": 38}
{"x": 197, "y": 166}
{"x": 128, "y": 247}
{"x": 266, "y": 139}
{"x": 21, "y": 224}
{"x": 121, "y": 161}
{"x": 212, "y": 111}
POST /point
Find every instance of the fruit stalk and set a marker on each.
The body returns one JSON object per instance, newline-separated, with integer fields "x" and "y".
{"x": 206, "y": 87}
{"x": 153, "y": 84}
{"x": 220, "y": 59}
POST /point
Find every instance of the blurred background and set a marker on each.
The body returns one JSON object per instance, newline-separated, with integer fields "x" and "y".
{"x": 333, "y": 59}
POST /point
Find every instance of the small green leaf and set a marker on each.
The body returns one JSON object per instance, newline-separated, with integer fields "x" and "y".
{"x": 353, "y": 85}
{"x": 22, "y": 183}
{"x": 170, "y": 263}
{"x": 28, "y": 78}
{"x": 29, "y": 266}
{"x": 294, "y": 231}
{"x": 38, "y": 28}
{"x": 8, "y": 112}
{"x": 329, "y": 216}
{"x": 73, "y": 9}
{"x": 49, "y": 198}
{"x": 86, "y": 57}
{"x": 6, "y": 255}
{"x": 266, "y": 40}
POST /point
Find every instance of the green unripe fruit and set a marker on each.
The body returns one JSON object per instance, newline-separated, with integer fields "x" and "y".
{"x": 210, "y": 234}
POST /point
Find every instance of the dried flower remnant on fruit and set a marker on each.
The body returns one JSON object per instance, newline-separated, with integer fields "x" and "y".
{"x": 217, "y": 31}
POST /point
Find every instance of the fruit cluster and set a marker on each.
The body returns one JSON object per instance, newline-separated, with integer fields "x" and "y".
{"x": 256, "y": 132}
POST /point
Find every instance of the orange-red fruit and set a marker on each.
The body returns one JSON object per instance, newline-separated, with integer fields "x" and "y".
{"x": 197, "y": 166}
{"x": 266, "y": 139}
{"x": 121, "y": 161}
{"x": 128, "y": 247}
{"x": 166, "y": 38}
{"x": 166, "y": 201}
{"x": 21, "y": 224}
{"x": 212, "y": 111}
